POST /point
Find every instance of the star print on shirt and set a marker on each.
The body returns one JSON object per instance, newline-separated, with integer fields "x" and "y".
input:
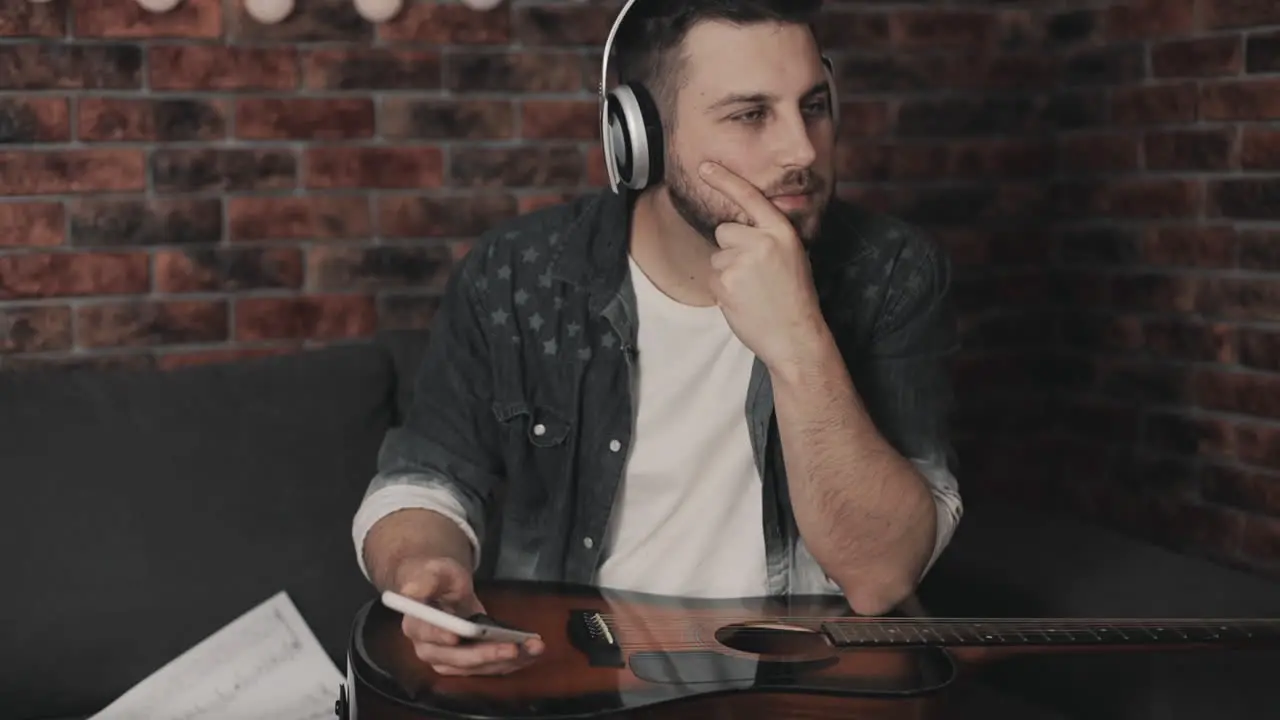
{"x": 499, "y": 317}
{"x": 504, "y": 272}
{"x": 608, "y": 341}
{"x": 544, "y": 280}
{"x": 549, "y": 347}
{"x": 573, "y": 329}
{"x": 536, "y": 322}
{"x": 530, "y": 255}
{"x": 521, "y": 297}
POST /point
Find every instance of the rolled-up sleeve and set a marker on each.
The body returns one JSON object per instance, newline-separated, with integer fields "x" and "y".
{"x": 907, "y": 384}
{"x": 444, "y": 457}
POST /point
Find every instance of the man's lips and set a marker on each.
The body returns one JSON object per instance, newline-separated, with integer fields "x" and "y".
{"x": 792, "y": 201}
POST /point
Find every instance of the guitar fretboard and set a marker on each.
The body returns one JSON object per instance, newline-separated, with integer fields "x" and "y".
{"x": 1032, "y": 632}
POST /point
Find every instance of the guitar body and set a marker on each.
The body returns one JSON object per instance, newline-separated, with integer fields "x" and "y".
{"x": 612, "y": 654}
{"x": 666, "y": 655}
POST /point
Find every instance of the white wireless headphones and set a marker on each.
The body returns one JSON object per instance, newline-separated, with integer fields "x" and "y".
{"x": 631, "y": 128}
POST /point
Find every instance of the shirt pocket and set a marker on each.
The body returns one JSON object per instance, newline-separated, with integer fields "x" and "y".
{"x": 537, "y": 449}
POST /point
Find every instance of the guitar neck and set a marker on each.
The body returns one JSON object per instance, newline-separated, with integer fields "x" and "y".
{"x": 1002, "y": 632}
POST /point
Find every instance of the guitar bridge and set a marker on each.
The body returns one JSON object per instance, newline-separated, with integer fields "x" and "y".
{"x": 590, "y": 634}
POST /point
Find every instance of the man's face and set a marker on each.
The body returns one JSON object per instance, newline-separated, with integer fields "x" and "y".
{"x": 754, "y": 99}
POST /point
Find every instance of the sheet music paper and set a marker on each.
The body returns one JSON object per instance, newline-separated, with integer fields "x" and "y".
{"x": 265, "y": 664}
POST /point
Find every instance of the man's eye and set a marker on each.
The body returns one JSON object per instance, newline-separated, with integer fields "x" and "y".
{"x": 817, "y": 107}
{"x": 750, "y": 116}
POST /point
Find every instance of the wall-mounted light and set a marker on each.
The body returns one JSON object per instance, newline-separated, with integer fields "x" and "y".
{"x": 377, "y": 11}
{"x": 482, "y": 4}
{"x": 268, "y": 12}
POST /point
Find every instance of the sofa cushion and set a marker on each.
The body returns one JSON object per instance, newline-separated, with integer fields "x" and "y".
{"x": 1012, "y": 562}
{"x": 144, "y": 510}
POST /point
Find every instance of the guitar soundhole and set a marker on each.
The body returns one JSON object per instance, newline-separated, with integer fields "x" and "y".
{"x": 780, "y": 642}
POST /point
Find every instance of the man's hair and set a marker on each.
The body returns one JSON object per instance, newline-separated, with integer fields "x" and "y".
{"x": 648, "y": 44}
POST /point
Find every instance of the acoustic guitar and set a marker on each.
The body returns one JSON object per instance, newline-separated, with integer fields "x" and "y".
{"x": 622, "y": 654}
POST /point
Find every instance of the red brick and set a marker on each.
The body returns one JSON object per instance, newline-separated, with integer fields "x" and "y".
{"x": 1190, "y": 150}
{"x": 31, "y": 224}
{"x": 35, "y": 329}
{"x": 522, "y": 71}
{"x": 34, "y": 120}
{"x": 1259, "y": 149}
{"x": 942, "y": 28}
{"x": 1240, "y": 13}
{"x": 1180, "y": 340}
{"x": 1241, "y": 100}
{"x": 373, "y": 69}
{"x": 864, "y": 30}
{"x": 1246, "y": 489}
{"x": 530, "y": 203}
{"x": 1150, "y": 199}
{"x": 320, "y": 317}
{"x": 187, "y": 170}
{"x": 47, "y": 66}
{"x": 1202, "y": 57}
{"x": 113, "y": 19}
{"x": 865, "y": 118}
{"x": 1259, "y": 349}
{"x": 1237, "y": 392}
{"x": 562, "y": 26}
{"x": 1260, "y": 250}
{"x": 71, "y": 171}
{"x": 1154, "y": 105}
{"x": 95, "y": 362}
{"x": 1147, "y": 19}
{"x": 218, "y": 67}
{"x": 1262, "y": 53}
{"x": 1099, "y": 152}
{"x": 142, "y": 221}
{"x": 423, "y": 267}
{"x": 228, "y": 269}
{"x": 67, "y": 274}
{"x": 1246, "y": 198}
{"x": 314, "y": 217}
{"x": 146, "y": 323}
{"x": 1257, "y": 444}
{"x": 353, "y": 167}
{"x": 447, "y": 24}
{"x": 1001, "y": 159}
{"x": 129, "y": 120}
{"x": 450, "y": 119}
{"x": 1240, "y": 298}
{"x": 1198, "y": 246}
{"x": 304, "y": 118}
{"x": 458, "y": 216}
{"x": 1260, "y": 542}
{"x": 560, "y": 120}
{"x": 597, "y": 172}
{"x": 539, "y": 166}
{"x": 28, "y": 19}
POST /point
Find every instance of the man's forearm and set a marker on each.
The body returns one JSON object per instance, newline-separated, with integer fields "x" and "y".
{"x": 865, "y": 512}
{"x": 412, "y": 533}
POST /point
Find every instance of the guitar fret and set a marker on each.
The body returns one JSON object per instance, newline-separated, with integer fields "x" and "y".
{"x": 1030, "y": 632}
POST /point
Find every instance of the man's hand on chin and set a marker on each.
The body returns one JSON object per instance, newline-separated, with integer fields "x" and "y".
{"x": 761, "y": 277}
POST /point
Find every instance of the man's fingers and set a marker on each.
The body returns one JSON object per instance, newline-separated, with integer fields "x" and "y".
{"x": 424, "y": 632}
{"x": 757, "y": 207}
{"x": 467, "y": 657}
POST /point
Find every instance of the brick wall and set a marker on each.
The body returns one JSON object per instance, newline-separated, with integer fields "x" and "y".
{"x": 193, "y": 187}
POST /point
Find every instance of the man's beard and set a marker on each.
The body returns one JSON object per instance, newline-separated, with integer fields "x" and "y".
{"x": 704, "y": 220}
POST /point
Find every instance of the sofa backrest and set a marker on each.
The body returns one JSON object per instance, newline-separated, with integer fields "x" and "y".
{"x": 141, "y": 511}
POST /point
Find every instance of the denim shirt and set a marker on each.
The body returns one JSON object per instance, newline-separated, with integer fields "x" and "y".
{"x": 524, "y": 403}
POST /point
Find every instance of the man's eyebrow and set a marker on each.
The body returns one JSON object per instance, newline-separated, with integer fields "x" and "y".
{"x": 762, "y": 98}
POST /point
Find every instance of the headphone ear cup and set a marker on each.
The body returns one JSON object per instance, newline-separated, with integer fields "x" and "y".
{"x": 633, "y": 137}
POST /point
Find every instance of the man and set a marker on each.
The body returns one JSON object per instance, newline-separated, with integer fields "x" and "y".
{"x": 729, "y": 384}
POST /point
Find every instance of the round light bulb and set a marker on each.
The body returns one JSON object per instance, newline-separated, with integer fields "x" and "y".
{"x": 268, "y": 12}
{"x": 377, "y": 11}
{"x": 482, "y": 4}
{"x": 159, "y": 6}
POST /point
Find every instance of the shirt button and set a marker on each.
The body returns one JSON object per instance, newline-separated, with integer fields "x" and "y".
{"x": 588, "y": 543}
{"x": 614, "y": 445}
{"x": 539, "y": 429}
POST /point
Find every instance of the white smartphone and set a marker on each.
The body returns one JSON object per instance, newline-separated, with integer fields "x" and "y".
{"x": 481, "y": 632}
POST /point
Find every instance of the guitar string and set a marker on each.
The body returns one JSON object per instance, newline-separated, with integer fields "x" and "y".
{"x": 995, "y": 622}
